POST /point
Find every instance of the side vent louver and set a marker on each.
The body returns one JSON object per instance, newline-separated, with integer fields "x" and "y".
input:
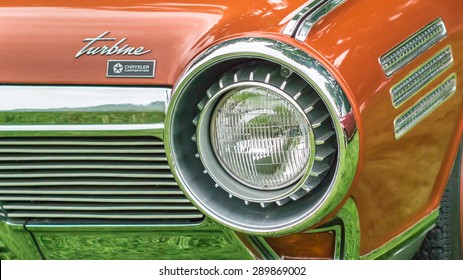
{"x": 424, "y": 106}
{"x": 413, "y": 46}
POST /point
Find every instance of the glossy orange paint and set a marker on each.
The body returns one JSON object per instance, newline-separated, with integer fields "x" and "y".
{"x": 39, "y": 39}
{"x": 398, "y": 181}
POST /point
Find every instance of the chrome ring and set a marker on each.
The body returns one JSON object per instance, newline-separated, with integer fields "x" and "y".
{"x": 302, "y": 213}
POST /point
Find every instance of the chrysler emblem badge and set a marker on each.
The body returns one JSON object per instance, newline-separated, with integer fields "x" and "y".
{"x": 131, "y": 69}
{"x": 117, "y": 68}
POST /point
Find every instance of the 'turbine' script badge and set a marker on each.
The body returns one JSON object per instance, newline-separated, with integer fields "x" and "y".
{"x": 115, "y": 49}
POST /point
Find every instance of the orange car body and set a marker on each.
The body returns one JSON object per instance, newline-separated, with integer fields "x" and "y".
{"x": 398, "y": 182}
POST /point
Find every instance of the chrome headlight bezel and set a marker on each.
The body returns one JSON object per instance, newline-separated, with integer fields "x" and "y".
{"x": 291, "y": 217}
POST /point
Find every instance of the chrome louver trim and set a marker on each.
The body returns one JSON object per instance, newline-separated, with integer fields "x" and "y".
{"x": 307, "y": 16}
{"x": 305, "y": 10}
{"x": 306, "y": 25}
{"x": 421, "y": 76}
{"x": 413, "y": 46}
{"x": 423, "y": 107}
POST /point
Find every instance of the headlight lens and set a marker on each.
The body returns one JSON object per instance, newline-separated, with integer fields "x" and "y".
{"x": 261, "y": 138}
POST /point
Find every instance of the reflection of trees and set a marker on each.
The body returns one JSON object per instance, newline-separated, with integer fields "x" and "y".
{"x": 103, "y": 114}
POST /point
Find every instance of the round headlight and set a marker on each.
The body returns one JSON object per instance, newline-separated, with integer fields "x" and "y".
{"x": 261, "y": 138}
{"x": 255, "y": 135}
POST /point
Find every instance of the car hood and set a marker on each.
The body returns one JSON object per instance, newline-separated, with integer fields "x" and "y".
{"x": 40, "y": 44}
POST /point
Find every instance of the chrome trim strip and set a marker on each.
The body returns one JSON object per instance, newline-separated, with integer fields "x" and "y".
{"x": 421, "y": 76}
{"x": 81, "y": 182}
{"x": 96, "y": 173}
{"x": 425, "y": 106}
{"x": 263, "y": 248}
{"x": 413, "y": 46}
{"x": 82, "y": 127}
{"x": 94, "y": 190}
{"x": 103, "y": 215}
{"x": 83, "y": 157}
{"x": 351, "y": 227}
{"x": 321, "y": 11}
{"x": 105, "y": 199}
{"x": 101, "y": 166}
{"x": 305, "y": 10}
{"x": 91, "y": 207}
{"x": 393, "y": 247}
{"x": 81, "y": 105}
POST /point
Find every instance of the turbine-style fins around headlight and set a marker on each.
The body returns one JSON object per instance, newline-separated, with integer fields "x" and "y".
{"x": 255, "y": 138}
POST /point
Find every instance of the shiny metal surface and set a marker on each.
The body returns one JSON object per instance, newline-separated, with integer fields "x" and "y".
{"x": 349, "y": 216}
{"x": 83, "y": 105}
{"x": 390, "y": 197}
{"x": 301, "y": 213}
{"x": 124, "y": 178}
{"x": 112, "y": 241}
{"x": 425, "y": 106}
{"x": 320, "y": 12}
{"x": 401, "y": 241}
{"x": 264, "y": 249}
{"x": 304, "y": 10}
{"x": 413, "y": 46}
{"x": 17, "y": 242}
{"x": 74, "y": 153}
{"x": 421, "y": 76}
{"x": 82, "y": 110}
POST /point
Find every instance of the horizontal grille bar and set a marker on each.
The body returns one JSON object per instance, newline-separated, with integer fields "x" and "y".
{"x": 125, "y": 215}
{"x": 80, "y": 166}
{"x": 76, "y": 141}
{"x": 80, "y": 174}
{"x": 90, "y": 182}
{"x": 92, "y": 191}
{"x": 92, "y": 207}
{"x": 65, "y": 150}
{"x": 90, "y": 178}
{"x": 71, "y": 157}
{"x": 104, "y": 199}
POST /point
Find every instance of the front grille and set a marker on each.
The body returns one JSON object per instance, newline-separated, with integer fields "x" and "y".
{"x": 90, "y": 178}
